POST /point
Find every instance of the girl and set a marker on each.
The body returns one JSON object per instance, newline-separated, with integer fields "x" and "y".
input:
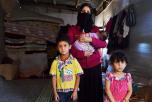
{"x": 118, "y": 84}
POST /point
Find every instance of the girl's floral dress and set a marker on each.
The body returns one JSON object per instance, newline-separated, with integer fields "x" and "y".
{"x": 118, "y": 86}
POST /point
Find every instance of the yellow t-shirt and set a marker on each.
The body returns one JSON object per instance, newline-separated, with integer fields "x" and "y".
{"x": 65, "y": 73}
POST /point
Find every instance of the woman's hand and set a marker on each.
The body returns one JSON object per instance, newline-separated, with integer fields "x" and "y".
{"x": 85, "y": 39}
{"x": 56, "y": 96}
{"x": 74, "y": 96}
{"x": 88, "y": 53}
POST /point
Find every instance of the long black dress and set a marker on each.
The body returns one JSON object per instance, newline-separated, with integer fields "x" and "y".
{"x": 91, "y": 88}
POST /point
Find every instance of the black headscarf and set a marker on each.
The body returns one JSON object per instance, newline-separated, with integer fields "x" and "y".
{"x": 85, "y": 21}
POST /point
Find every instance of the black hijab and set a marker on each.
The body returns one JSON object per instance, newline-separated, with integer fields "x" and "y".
{"x": 85, "y": 21}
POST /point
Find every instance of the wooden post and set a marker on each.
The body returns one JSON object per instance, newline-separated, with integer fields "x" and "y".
{"x": 2, "y": 40}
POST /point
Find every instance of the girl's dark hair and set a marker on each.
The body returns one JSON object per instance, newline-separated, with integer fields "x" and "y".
{"x": 118, "y": 56}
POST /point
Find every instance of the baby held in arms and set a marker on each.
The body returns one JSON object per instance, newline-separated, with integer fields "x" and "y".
{"x": 83, "y": 45}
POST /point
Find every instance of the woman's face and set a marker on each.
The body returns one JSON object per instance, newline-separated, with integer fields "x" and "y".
{"x": 85, "y": 9}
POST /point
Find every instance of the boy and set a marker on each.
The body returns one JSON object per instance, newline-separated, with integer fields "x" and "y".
{"x": 65, "y": 71}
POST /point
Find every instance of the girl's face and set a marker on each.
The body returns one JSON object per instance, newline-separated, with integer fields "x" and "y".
{"x": 85, "y": 9}
{"x": 119, "y": 66}
{"x": 63, "y": 47}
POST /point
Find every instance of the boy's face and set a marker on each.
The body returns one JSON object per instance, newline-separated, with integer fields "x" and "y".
{"x": 63, "y": 47}
{"x": 119, "y": 66}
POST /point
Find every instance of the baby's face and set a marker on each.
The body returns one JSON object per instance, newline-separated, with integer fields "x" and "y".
{"x": 82, "y": 37}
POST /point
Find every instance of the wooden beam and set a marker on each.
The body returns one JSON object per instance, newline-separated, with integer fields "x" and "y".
{"x": 35, "y": 1}
{"x": 102, "y": 6}
{"x": 99, "y": 9}
{"x": 8, "y": 6}
{"x": 2, "y": 41}
{"x": 95, "y": 1}
{"x": 76, "y": 3}
{"x": 46, "y": 4}
{"x": 54, "y": 2}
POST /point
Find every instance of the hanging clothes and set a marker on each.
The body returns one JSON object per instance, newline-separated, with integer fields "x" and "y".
{"x": 118, "y": 32}
{"x": 111, "y": 39}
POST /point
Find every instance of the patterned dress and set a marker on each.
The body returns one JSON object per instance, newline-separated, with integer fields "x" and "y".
{"x": 118, "y": 86}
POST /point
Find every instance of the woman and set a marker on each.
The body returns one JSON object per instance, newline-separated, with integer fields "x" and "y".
{"x": 91, "y": 80}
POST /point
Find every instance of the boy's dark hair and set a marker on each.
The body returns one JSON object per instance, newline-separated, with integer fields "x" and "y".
{"x": 62, "y": 37}
{"x": 118, "y": 56}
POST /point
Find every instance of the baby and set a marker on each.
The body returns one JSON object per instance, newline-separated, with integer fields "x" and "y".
{"x": 84, "y": 46}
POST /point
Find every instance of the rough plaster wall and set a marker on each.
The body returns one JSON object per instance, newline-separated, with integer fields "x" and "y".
{"x": 140, "y": 51}
{"x": 34, "y": 61}
{"x": 69, "y": 17}
{"x": 143, "y": 28}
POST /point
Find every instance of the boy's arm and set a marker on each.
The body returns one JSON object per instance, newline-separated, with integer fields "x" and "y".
{"x": 126, "y": 99}
{"x": 108, "y": 92}
{"x": 74, "y": 94}
{"x": 77, "y": 83}
{"x": 54, "y": 88}
{"x": 54, "y": 84}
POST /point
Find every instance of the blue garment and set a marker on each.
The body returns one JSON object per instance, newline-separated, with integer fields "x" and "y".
{"x": 65, "y": 96}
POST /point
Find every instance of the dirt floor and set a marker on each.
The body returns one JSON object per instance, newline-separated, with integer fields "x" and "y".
{"x": 141, "y": 93}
